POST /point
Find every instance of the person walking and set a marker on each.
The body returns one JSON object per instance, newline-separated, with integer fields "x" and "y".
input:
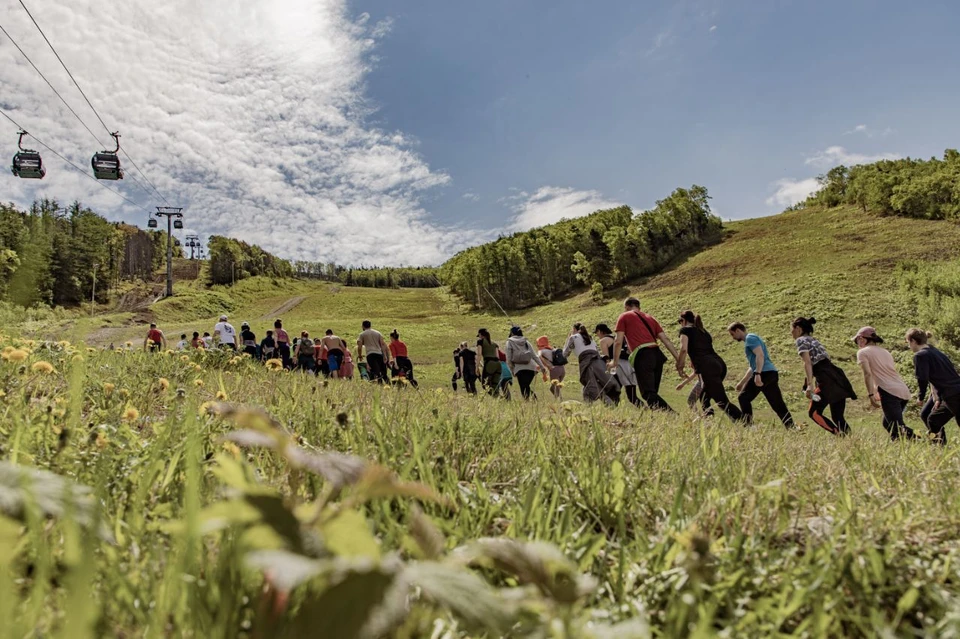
{"x": 398, "y": 350}
{"x": 322, "y": 357}
{"x": 885, "y": 387}
{"x": 283, "y": 343}
{"x": 696, "y": 342}
{"x": 506, "y": 377}
{"x": 305, "y": 355}
{"x": 597, "y": 381}
{"x": 626, "y": 376}
{"x": 558, "y": 371}
{"x": 155, "y": 340}
{"x": 225, "y": 334}
{"x": 248, "y": 339}
{"x": 761, "y": 377}
{"x": 378, "y": 359}
{"x": 268, "y": 347}
{"x": 488, "y": 363}
{"x": 641, "y": 332}
{"x": 468, "y": 368}
{"x": 183, "y": 344}
{"x": 825, "y": 383}
{"x": 934, "y": 369}
{"x": 207, "y": 340}
{"x": 335, "y": 352}
{"x": 346, "y": 369}
{"x": 456, "y": 368}
{"x": 523, "y": 361}
{"x": 197, "y": 341}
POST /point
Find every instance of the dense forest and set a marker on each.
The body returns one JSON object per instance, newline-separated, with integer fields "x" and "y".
{"x": 233, "y": 260}
{"x": 369, "y": 276}
{"x": 600, "y": 251}
{"x": 50, "y": 255}
{"x": 928, "y": 189}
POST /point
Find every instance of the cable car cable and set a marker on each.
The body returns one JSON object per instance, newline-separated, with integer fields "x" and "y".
{"x": 71, "y": 163}
{"x": 90, "y": 104}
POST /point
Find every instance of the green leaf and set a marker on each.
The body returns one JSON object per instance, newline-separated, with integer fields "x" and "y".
{"x": 908, "y": 600}
{"x": 463, "y": 593}
{"x": 348, "y": 535}
{"x": 285, "y": 570}
{"x": 275, "y": 514}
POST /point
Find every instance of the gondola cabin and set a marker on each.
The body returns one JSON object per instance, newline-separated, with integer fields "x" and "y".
{"x": 106, "y": 166}
{"x": 28, "y": 165}
{"x": 178, "y": 224}
{"x": 152, "y": 224}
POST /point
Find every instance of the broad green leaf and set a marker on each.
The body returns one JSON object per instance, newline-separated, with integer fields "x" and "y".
{"x": 348, "y": 535}
{"x": 463, "y": 593}
{"x": 908, "y": 600}
{"x": 285, "y": 570}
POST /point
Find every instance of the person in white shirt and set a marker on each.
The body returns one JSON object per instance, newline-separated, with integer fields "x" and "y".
{"x": 207, "y": 341}
{"x": 183, "y": 344}
{"x": 597, "y": 382}
{"x": 225, "y": 333}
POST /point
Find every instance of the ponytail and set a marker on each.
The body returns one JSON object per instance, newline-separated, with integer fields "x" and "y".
{"x": 689, "y": 317}
{"x": 584, "y": 333}
{"x": 805, "y": 324}
{"x": 919, "y": 336}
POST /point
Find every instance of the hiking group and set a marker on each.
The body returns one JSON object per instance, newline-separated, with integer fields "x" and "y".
{"x": 630, "y": 358}
{"x": 328, "y": 355}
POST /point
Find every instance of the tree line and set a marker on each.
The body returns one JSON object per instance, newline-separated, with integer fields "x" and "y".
{"x": 927, "y": 189}
{"x": 232, "y": 260}
{"x": 50, "y": 255}
{"x": 369, "y": 276}
{"x": 599, "y": 251}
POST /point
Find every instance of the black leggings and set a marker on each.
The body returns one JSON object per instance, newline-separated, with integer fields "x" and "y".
{"x": 632, "y": 396}
{"x": 839, "y": 425}
{"x": 376, "y": 368}
{"x": 648, "y": 365}
{"x": 469, "y": 380}
{"x": 892, "y": 407}
{"x": 406, "y": 366}
{"x": 713, "y": 372}
{"x": 524, "y": 380}
{"x": 949, "y": 409}
{"x": 770, "y": 390}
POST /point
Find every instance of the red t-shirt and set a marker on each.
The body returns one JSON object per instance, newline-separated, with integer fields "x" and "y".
{"x": 636, "y": 331}
{"x": 398, "y": 348}
{"x": 155, "y": 336}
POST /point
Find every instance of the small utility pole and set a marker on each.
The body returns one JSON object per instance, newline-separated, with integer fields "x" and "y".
{"x": 93, "y": 293}
{"x": 170, "y": 213}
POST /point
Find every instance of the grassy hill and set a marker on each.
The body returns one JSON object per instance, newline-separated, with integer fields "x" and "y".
{"x": 694, "y": 528}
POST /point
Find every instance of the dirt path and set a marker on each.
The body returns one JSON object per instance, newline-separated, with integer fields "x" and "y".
{"x": 286, "y": 307}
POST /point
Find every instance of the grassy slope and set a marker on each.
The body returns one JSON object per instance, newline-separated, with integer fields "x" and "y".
{"x": 837, "y": 265}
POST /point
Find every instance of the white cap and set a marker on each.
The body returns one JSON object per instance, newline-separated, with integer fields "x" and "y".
{"x": 223, "y": 318}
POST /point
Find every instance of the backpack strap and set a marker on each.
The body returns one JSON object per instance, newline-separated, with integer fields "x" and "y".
{"x": 649, "y": 328}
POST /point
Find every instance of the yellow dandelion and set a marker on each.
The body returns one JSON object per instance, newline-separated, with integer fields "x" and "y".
{"x": 164, "y": 383}
{"x": 7, "y": 350}
{"x": 129, "y": 344}
{"x": 17, "y": 355}
{"x": 42, "y": 367}
{"x": 91, "y": 350}
{"x": 130, "y": 414}
{"x": 221, "y": 396}
{"x": 274, "y": 364}
{"x": 207, "y": 408}
{"x": 59, "y": 413}
{"x": 102, "y": 441}
{"x": 3, "y": 393}
{"x": 184, "y": 358}
{"x": 232, "y": 448}
{"x": 108, "y": 389}
{"x": 63, "y": 343}
{"x": 198, "y": 382}
{"x": 234, "y": 361}
{"x": 198, "y": 368}
{"x": 124, "y": 393}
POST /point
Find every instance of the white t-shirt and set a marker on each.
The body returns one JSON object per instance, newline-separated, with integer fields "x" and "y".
{"x": 182, "y": 345}
{"x": 207, "y": 341}
{"x": 575, "y": 344}
{"x": 228, "y": 334}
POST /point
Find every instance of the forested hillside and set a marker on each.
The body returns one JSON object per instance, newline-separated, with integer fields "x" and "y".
{"x": 601, "y": 251}
{"x": 48, "y": 254}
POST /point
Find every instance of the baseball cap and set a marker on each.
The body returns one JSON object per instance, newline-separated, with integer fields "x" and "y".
{"x": 223, "y": 318}
{"x": 870, "y": 333}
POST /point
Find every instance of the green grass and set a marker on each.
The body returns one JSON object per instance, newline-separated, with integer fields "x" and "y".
{"x": 692, "y": 527}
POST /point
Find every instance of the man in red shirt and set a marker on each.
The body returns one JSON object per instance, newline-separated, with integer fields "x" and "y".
{"x": 641, "y": 332}
{"x": 154, "y": 339}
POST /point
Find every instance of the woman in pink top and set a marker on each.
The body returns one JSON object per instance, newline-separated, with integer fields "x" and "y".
{"x": 884, "y": 384}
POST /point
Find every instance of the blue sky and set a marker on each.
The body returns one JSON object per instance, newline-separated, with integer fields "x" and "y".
{"x": 383, "y": 132}
{"x": 633, "y": 98}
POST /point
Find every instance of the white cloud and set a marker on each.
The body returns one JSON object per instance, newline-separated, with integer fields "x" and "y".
{"x": 251, "y": 115}
{"x": 836, "y": 155}
{"x": 471, "y": 196}
{"x": 551, "y": 204}
{"x": 713, "y": 28}
{"x": 789, "y": 191}
{"x": 869, "y": 132}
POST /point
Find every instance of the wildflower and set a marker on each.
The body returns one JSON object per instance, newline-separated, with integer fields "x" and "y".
{"x": 198, "y": 382}
{"x": 274, "y": 364}
{"x": 129, "y": 344}
{"x": 198, "y": 368}
{"x": 17, "y": 355}
{"x": 163, "y": 383}
{"x": 91, "y": 350}
{"x": 77, "y": 358}
{"x": 130, "y": 414}
{"x": 3, "y": 393}
{"x": 108, "y": 389}
{"x": 124, "y": 393}
{"x": 7, "y": 350}
{"x": 42, "y": 367}
{"x": 207, "y": 408}
{"x": 184, "y": 358}
{"x": 63, "y": 343}
{"x": 221, "y": 396}
{"x": 101, "y": 441}
{"x": 232, "y": 448}
{"x": 234, "y": 361}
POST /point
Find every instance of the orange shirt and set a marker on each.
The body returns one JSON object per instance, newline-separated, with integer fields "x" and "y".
{"x": 398, "y": 348}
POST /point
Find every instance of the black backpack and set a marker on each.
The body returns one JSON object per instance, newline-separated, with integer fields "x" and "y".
{"x": 559, "y": 359}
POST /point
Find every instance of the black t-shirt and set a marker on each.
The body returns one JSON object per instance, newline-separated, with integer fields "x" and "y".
{"x": 269, "y": 342}
{"x": 456, "y": 358}
{"x": 469, "y": 358}
{"x": 248, "y": 336}
{"x": 699, "y": 343}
